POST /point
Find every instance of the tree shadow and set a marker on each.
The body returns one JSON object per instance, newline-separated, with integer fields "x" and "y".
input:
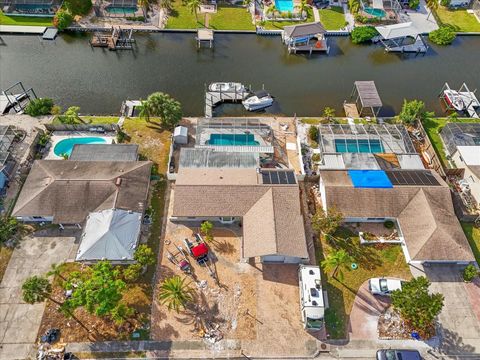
{"x": 224, "y": 247}
{"x": 452, "y": 343}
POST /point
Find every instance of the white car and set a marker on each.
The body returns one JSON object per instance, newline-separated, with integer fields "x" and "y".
{"x": 384, "y": 286}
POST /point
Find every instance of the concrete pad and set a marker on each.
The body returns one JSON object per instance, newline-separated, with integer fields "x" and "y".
{"x": 424, "y": 22}
{"x": 15, "y": 351}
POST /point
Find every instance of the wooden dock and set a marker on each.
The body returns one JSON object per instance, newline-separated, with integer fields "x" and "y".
{"x": 213, "y": 98}
{"x": 119, "y": 39}
{"x": 319, "y": 46}
{"x": 204, "y": 36}
{"x": 351, "y": 110}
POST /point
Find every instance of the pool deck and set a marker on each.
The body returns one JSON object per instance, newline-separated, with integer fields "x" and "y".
{"x": 61, "y": 135}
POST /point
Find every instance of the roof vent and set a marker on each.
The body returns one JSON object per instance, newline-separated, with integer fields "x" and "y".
{"x": 118, "y": 182}
{"x": 311, "y": 272}
{"x": 314, "y": 303}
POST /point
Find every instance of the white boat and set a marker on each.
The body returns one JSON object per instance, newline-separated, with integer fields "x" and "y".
{"x": 226, "y": 87}
{"x": 454, "y": 99}
{"x": 259, "y": 100}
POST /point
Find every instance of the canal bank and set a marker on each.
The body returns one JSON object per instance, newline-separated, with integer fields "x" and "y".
{"x": 97, "y": 80}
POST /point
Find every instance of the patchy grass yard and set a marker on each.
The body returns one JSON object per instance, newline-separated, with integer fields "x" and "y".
{"x": 473, "y": 236}
{"x": 460, "y": 19}
{"x": 5, "y": 254}
{"x": 433, "y": 126}
{"x": 332, "y": 18}
{"x": 278, "y": 25}
{"x": 226, "y": 18}
{"x": 94, "y": 120}
{"x": 24, "y": 20}
{"x": 372, "y": 260}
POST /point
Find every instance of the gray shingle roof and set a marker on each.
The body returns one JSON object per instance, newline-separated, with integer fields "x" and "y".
{"x": 301, "y": 30}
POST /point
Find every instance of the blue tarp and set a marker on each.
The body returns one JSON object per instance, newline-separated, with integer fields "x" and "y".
{"x": 370, "y": 179}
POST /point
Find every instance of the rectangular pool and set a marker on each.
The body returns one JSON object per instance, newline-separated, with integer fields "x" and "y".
{"x": 360, "y": 146}
{"x": 284, "y": 5}
{"x": 232, "y": 139}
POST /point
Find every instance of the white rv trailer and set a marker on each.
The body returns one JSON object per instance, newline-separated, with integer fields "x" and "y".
{"x": 311, "y": 297}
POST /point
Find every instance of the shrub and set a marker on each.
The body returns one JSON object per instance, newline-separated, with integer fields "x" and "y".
{"x": 313, "y": 133}
{"x": 132, "y": 272}
{"x": 70, "y": 116}
{"x": 38, "y": 107}
{"x": 354, "y": 6}
{"x": 362, "y": 34}
{"x": 62, "y": 19}
{"x": 121, "y": 136}
{"x": 389, "y": 224}
{"x": 144, "y": 255}
{"x": 56, "y": 110}
{"x": 414, "y": 4}
{"x": 78, "y": 7}
{"x": 8, "y": 228}
{"x": 316, "y": 157}
{"x": 136, "y": 18}
{"x": 411, "y": 111}
{"x": 443, "y": 36}
{"x": 43, "y": 139}
{"x": 365, "y": 20}
{"x": 445, "y": 3}
{"x": 469, "y": 273}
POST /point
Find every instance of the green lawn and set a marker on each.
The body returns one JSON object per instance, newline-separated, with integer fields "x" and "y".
{"x": 473, "y": 236}
{"x": 433, "y": 126}
{"x": 278, "y": 25}
{"x": 94, "y": 120}
{"x": 24, "y": 20}
{"x": 333, "y": 18}
{"x": 460, "y": 19}
{"x": 373, "y": 261}
{"x": 226, "y": 18}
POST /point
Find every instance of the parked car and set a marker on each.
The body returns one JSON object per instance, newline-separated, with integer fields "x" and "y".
{"x": 384, "y": 286}
{"x": 392, "y": 354}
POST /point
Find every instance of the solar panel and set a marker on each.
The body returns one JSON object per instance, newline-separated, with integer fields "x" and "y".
{"x": 278, "y": 177}
{"x": 409, "y": 177}
{"x": 282, "y": 177}
{"x": 274, "y": 177}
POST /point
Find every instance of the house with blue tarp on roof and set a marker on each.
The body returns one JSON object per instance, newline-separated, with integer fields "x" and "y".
{"x": 417, "y": 202}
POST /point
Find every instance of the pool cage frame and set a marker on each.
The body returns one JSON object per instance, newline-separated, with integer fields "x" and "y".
{"x": 460, "y": 134}
{"x": 389, "y": 134}
{"x": 236, "y": 126}
{"x": 387, "y": 5}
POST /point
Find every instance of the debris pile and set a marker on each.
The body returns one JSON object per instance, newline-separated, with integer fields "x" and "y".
{"x": 392, "y": 326}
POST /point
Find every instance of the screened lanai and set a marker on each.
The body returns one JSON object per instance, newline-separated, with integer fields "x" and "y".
{"x": 235, "y": 135}
{"x": 460, "y": 134}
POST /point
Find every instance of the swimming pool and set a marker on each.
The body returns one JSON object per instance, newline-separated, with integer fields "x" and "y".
{"x": 65, "y": 146}
{"x": 121, "y": 10}
{"x": 284, "y": 5}
{"x": 232, "y": 139}
{"x": 379, "y": 13}
{"x": 360, "y": 146}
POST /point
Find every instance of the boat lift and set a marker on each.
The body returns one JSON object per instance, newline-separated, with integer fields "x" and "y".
{"x": 463, "y": 100}
{"x": 16, "y": 97}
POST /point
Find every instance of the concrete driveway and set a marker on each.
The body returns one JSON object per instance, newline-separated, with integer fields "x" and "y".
{"x": 459, "y": 324}
{"x": 19, "y": 322}
{"x": 365, "y": 312}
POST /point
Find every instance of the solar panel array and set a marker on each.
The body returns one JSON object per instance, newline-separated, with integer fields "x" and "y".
{"x": 278, "y": 177}
{"x": 412, "y": 177}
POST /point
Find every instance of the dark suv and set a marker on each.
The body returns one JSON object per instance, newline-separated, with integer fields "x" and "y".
{"x": 392, "y": 354}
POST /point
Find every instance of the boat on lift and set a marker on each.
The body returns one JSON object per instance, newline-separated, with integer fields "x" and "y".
{"x": 226, "y": 87}
{"x": 454, "y": 99}
{"x": 258, "y": 100}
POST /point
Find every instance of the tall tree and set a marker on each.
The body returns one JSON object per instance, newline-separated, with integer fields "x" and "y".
{"x": 176, "y": 293}
{"x": 144, "y": 255}
{"x": 164, "y": 106}
{"x": 145, "y": 111}
{"x": 56, "y": 270}
{"x": 416, "y": 305}
{"x": 37, "y": 289}
{"x": 166, "y": 4}
{"x": 302, "y": 6}
{"x": 432, "y": 5}
{"x": 412, "y": 111}
{"x": 100, "y": 292}
{"x": 326, "y": 223}
{"x": 144, "y": 5}
{"x": 337, "y": 260}
{"x": 193, "y": 6}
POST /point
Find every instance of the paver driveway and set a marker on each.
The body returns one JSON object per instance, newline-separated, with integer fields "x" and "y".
{"x": 19, "y": 322}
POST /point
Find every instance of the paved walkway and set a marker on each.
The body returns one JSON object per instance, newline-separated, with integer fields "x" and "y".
{"x": 316, "y": 14}
{"x": 421, "y": 18}
{"x": 19, "y": 322}
{"x": 365, "y": 312}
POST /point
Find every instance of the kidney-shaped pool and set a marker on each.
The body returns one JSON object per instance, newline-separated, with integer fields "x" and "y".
{"x": 65, "y": 146}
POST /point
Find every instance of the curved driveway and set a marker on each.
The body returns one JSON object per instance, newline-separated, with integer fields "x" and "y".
{"x": 365, "y": 312}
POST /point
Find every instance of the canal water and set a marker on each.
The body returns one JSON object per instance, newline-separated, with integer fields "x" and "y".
{"x": 98, "y": 80}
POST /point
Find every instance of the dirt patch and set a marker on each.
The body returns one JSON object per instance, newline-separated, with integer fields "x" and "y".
{"x": 5, "y": 255}
{"x": 392, "y": 326}
{"x": 225, "y": 305}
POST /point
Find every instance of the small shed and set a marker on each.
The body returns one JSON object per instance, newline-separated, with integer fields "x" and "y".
{"x": 110, "y": 235}
{"x": 180, "y": 135}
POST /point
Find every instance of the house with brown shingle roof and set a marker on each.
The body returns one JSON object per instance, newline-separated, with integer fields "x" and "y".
{"x": 65, "y": 192}
{"x": 418, "y": 200}
{"x": 265, "y": 201}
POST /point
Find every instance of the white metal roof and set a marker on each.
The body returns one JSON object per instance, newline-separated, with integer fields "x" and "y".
{"x": 398, "y": 30}
{"x": 410, "y": 161}
{"x": 470, "y": 154}
{"x": 110, "y": 234}
{"x": 180, "y": 131}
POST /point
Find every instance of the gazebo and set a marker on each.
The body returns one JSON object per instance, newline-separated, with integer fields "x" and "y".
{"x": 366, "y": 96}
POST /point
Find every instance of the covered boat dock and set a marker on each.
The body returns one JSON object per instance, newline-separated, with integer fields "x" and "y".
{"x": 308, "y": 37}
{"x": 366, "y": 97}
{"x": 396, "y": 38}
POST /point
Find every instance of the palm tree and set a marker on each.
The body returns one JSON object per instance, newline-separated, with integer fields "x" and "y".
{"x": 270, "y": 9}
{"x": 175, "y": 293}
{"x": 432, "y": 5}
{"x": 56, "y": 270}
{"x": 193, "y": 6}
{"x": 37, "y": 289}
{"x": 145, "y": 110}
{"x": 337, "y": 260}
{"x": 144, "y": 4}
{"x": 247, "y": 3}
{"x": 302, "y": 6}
{"x": 166, "y": 4}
